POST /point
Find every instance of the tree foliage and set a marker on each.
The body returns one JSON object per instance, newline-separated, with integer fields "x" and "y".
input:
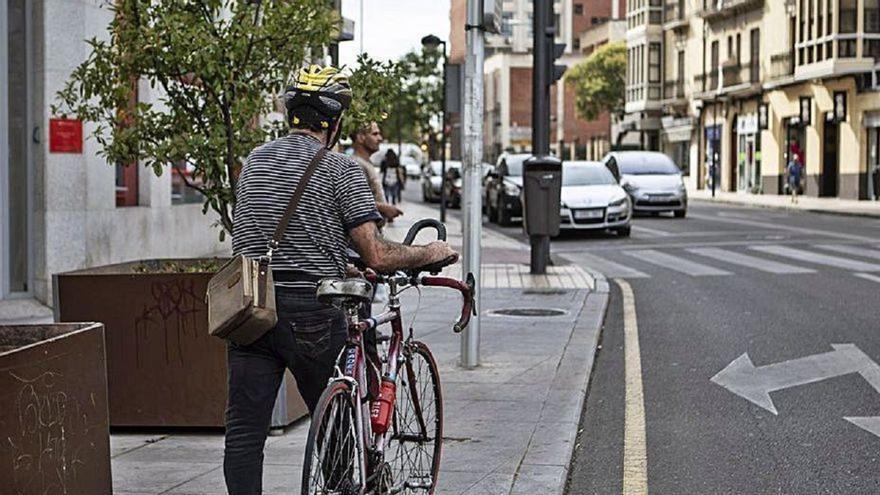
{"x": 375, "y": 88}
{"x": 599, "y": 82}
{"x": 216, "y": 69}
{"x": 417, "y": 111}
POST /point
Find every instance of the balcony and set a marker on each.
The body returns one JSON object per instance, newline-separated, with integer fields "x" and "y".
{"x": 732, "y": 79}
{"x": 716, "y": 10}
{"x": 781, "y": 66}
{"x": 673, "y": 91}
{"x": 674, "y": 16}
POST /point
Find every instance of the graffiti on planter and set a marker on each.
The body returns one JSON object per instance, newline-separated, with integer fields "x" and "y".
{"x": 172, "y": 316}
{"x": 47, "y": 450}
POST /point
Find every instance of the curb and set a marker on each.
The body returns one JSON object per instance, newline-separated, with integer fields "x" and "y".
{"x": 859, "y": 214}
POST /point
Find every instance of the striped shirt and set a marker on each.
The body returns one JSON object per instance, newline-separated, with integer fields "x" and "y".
{"x": 336, "y": 200}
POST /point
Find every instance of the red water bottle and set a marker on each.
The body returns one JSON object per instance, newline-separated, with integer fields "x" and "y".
{"x": 380, "y": 412}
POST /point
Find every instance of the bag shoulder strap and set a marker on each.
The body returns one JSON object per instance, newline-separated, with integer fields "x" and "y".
{"x": 294, "y": 201}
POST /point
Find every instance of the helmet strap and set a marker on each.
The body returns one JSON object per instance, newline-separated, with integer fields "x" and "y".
{"x": 333, "y": 134}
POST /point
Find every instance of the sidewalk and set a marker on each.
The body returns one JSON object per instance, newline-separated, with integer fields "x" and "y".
{"x": 25, "y": 311}
{"x": 509, "y": 425}
{"x": 833, "y": 206}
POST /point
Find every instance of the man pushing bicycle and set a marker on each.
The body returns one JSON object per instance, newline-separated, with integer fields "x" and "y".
{"x": 336, "y": 210}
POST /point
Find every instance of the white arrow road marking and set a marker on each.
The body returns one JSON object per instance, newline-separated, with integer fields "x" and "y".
{"x": 870, "y": 424}
{"x": 754, "y": 384}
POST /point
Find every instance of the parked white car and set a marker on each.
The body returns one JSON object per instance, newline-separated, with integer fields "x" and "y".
{"x": 592, "y": 199}
{"x": 652, "y": 180}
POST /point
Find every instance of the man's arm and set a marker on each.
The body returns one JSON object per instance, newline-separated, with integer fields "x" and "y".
{"x": 386, "y": 256}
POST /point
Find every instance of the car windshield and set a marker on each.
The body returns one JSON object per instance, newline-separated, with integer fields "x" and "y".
{"x": 515, "y": 164}
{"x": 646, "y": 164}
{"x": 586, "y": 175}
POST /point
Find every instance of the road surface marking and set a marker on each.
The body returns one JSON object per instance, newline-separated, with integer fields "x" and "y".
{"x": 749, "y": 261}
{"x": 818, "y": 258}
{"x": 675, "y": 263}
{"x": 653, "y": 232}
{"x": 868, "y": 276}
{"x": 635, "y": 452}
{"x": 754, "y": 384}
{"x": 608, "y": 268}
{"x": 851, "y": 250}
{"x": 870, "y": 424}
{"x": 777, "y": 226}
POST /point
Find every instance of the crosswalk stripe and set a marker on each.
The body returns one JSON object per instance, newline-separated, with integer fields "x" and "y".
{"x": 852, "y": 250}
{"x": 762, "y": 264}
{"x": 608, "y": 268}
{"x": 818, "y": 258}
{"x": 651, "y": 232}
{"x": 675, "y": 263}
{"x": 868, "y": 276}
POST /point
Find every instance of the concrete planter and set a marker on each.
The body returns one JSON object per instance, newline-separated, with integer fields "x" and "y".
{"x": 163, "y": 368}
{"x": 53, "y": 409}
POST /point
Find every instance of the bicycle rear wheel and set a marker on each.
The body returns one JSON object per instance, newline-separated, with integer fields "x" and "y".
{"x": 333, "y": 459}
{"x": 417, "y": 429}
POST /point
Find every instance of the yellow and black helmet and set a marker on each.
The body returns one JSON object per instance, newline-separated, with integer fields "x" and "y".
{"x": 317, "y": 98}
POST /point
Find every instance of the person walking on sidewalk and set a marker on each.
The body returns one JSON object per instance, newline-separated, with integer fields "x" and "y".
{"x": 365, "y": 142}
{"x": 393, "y": 177}
{"x": 336, "y": 208}
{"x": 794, "y": 177}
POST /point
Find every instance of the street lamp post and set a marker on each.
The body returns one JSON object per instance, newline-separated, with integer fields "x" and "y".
{"x": 432, "y": 42}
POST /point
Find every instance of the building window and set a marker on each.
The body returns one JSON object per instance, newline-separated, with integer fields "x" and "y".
{"x": 506, "y": 26}
{"x": 578, "y": 9}
{"x": 872, "y": 49}
{"x": 654, "y": 63}
{"x": 848, "y": 16}
{"x": 755, "y": 55}
{"x": 846, "y": 48}
{"x": 182, "y": 181}
{"x": 872, "y": 16}
{"x": 819, "y": 24}
{"x": 713, "y": 67}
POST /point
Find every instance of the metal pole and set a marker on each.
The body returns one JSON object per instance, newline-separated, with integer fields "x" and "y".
{"x": 541, "y": 66}
{"x": 361, "y": 51}
{"x": 443, "y": 144}
{"x": 715, "y": 152}
{"x": 472, "y": 154}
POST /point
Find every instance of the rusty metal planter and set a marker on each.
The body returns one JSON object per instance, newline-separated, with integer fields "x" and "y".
{"x": 54, "y": 435}
{"x": 163, "y": 368}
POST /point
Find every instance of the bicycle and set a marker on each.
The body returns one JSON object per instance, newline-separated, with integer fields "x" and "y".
{"x": 362, "y": 443}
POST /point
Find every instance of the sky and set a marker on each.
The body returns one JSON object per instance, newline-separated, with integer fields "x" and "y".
{"x": 393, "y": 27}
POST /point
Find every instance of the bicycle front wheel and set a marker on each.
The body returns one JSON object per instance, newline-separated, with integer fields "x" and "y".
{"x": 417, "y": 428}
{"x": 333, "y": 460}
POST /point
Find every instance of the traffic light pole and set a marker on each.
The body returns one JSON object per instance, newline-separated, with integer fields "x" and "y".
{"x": 543, "y": 37}
{"x": 472, "y": 151}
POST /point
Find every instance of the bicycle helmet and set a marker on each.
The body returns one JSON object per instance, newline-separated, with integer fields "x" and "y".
{"x": 317, "y": 98}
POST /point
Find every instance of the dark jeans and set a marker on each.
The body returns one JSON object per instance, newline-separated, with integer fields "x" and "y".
{"x": 306, "y": 340}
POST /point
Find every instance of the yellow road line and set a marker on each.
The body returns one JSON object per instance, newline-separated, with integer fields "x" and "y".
{"x": 635, "y": 455}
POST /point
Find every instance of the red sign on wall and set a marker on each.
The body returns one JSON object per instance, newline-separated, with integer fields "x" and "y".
{"x": 65, "y": 136}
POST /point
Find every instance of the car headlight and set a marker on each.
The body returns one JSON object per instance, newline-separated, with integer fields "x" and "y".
{"x": 619, "y": 202}
{"x": 511, "y": 189}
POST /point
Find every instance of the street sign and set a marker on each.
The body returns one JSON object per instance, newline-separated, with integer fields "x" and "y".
{"x": 754, "y": 383}
{"x": 65, "y": 136}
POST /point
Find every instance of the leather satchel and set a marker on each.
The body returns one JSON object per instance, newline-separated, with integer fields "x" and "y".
{"x": 241, "y": 295}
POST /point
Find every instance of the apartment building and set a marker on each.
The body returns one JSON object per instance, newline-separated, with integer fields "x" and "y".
{"x": 508, "y": 77}
{"x": 743, "y": 86}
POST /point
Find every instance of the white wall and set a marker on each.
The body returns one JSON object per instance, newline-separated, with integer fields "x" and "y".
{"x": 78, "y": 224}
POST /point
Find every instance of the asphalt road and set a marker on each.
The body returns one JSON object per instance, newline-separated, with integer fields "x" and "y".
{"x": 779, "y": 286}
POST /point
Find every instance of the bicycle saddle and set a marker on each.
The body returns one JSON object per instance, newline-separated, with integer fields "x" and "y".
{"x": 333, "y": 290}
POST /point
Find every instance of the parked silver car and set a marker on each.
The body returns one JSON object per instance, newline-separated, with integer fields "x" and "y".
{"x": 652, "y": 180}
{"x": 592, "y": 199}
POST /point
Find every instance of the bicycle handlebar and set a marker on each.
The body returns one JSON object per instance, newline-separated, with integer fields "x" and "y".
{"x": 467, "y": 292}
{"x": 423, "y": 224}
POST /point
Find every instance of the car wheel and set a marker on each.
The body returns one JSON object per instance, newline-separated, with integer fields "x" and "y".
{"x": 680, "y": 213}
{"x": 503, "y": 217}
{"x": 624, "y": 231}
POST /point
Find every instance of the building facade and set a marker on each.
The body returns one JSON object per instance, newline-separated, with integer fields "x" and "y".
{"x": 508, "y": 76}
{"x": 66, "y": 208}
{"x": 750, "y": 85}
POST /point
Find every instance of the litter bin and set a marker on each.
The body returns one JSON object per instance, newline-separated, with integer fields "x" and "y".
{"x": 542, "y": 181}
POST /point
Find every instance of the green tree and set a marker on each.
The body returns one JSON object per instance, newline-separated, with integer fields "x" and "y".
{"x": 417, "y": 109}
{"x": 599, "y": 82}
{"x": 219, "y": 67}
